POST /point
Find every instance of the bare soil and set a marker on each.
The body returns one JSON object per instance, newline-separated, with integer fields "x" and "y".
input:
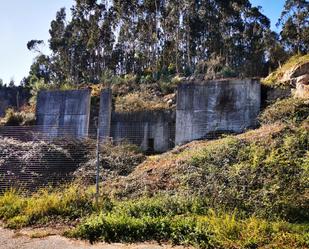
{"x": 49, "y": 238}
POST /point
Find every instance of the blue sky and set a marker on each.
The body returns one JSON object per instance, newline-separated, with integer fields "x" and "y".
{"x": 21, "y": 21}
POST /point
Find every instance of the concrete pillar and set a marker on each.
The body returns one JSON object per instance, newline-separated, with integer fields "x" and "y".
{"x": 105, "y": 114}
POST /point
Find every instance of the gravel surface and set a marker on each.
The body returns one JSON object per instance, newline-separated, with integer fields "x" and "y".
{"x": 21, "y": 240}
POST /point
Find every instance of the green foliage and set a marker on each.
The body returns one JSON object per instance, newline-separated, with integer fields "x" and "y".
{"x": 295, "y": 27}
{"x": 267, "y": 178}
{"x": 115, "y": 228}
{"x": 274, "y": 79}
{"x": 45, "y": 206}
{"x": 88, "y": 43}
{"x": 179, "y": 219}
{"x": 38, "y": 84}
{"x": 227, "y": 72}
{"x": 11, "y": 204}
{"x": 209, "y": 230}
{"x": 14, "y": 118}
{"x": 289, "y": 110}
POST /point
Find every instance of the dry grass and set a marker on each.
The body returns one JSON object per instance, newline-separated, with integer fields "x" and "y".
{"x": 275, "y": 78}
{"x": 140, "y": 101}
{"x": 166, "y": 172}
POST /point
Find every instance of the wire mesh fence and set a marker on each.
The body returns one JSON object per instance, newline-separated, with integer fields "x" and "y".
{"x": 32, "y": 157}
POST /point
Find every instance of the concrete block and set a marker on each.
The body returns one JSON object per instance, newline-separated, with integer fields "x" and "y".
{"x": 64, "y": 113}
{"x": 216, "y": 106}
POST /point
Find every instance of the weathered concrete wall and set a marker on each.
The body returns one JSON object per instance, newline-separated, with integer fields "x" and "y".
{"x": 12, "y": 97}
{"x": 216, "y": 106}
{"x": 271, "y": 94}
{"x": 63, "y": 113}
{"x": 149, "y": 130}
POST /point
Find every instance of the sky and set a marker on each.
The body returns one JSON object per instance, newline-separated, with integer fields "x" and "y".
{"x": 25, "y": 20}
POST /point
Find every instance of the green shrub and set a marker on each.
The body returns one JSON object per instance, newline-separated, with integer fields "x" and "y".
{"x": 286, "y": 111}
{"x": 268, "y": 178}
{"x": 122, "y": 228}
{"x": 212, "y": 230}
{"x": 14, "y": 118}
{"x": 68, "y": 204}
{"x": 162, "y": 206}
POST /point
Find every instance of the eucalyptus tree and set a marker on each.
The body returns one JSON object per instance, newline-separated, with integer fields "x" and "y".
{"x": 295, "y": 25}
{"x": 158, "y": 36}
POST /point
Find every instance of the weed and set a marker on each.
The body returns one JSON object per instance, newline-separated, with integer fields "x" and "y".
{"x": 286, "y": 111}
{"x": 69, "y": 203}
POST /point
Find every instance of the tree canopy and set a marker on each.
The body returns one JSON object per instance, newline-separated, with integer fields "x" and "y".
{"x": 152, "y": 38}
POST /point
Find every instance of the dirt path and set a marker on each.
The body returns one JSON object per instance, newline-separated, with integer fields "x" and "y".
{"x": 22, "y": 240}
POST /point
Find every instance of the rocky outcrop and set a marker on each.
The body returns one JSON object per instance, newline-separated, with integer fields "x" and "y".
{"x": 302, "y": 86}
{"x": 298, "y": 78}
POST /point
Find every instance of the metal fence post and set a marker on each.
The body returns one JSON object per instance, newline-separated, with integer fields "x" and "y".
{"x": 98, "y": 165}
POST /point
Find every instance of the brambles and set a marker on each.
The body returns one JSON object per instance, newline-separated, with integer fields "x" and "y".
{"x": 14, "y": 118}
{"x": 286, "y": 111}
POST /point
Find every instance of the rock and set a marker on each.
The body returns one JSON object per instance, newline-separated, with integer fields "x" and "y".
{"x": 295, "y": 72}
{"x": 300, "y": 70}
{"x": 302, "y": 86}
{"x": 304, "y": 79}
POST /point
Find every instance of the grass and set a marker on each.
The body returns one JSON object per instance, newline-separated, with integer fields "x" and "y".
{"x": 45, "y": 206}
{"x": 245, "y": 191}
{"x": 181, "y": 225}
{"x": 274, "y": 79}
{"x": 289, "y": 110}
{"x": 139, "y": 101}
{"x": 181, "y": 220}
{"x": 17, "y": 118}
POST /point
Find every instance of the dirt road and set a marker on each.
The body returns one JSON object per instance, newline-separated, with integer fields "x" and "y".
{"x": 22, "y": 240}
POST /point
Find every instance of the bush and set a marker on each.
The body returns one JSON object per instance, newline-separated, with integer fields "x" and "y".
{"x": 33, "y": 164}
{"x": 286, "y": 111}
{"x": 139, "y": 101}
{"x": 119, "y": 159}
{"x": 115, "y": 228}
{"x": 13, "y": 118}
{"x": 266, "y": 178}
{"x": 210, "y": 230}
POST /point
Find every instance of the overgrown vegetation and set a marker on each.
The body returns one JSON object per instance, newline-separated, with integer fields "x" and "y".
{"x": 187, "y": 221}
{"x": 115, "y": 160}
{"x": 265, "y": 176}
{"x": 31, "y": 165}
{"x": 257, "y": 183}
{"x": 46, "y": 206}
{"x": 276, "y": 78}
{"x": 182, "y": 220}
{"x": 259, "y": 189}
{"x": 137, "y": 101}
{"x": 18, "y": 118}
{"x": 289, "y": 110}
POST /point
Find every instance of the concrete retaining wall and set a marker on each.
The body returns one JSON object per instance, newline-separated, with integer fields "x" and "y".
{"x": 64, "y": 112}
{"x": 216, "y": 106}
{"x": 152, "y": 131}
{"x": 202, "y": 109}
